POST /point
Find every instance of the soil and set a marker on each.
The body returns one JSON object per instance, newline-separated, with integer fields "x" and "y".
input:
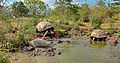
{"x": 23, "y": 58}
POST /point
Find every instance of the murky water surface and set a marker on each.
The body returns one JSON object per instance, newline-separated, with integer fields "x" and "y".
{"x": 83, "y": 51}
{"x": 79, "y": 51}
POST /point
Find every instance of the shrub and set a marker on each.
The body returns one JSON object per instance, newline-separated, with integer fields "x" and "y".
{"x": 80, "y": 23}
{"x": 117, "y": 35}
{"x": 4, "y": 59}
{"x": 61, "y": 31}
{"x": 96, "y": 22}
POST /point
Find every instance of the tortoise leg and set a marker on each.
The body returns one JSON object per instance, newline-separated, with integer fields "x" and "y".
{"x": 51, "y": 31}
{"x": 45, "y": 33}
{"x": 36, "y": 30}
{"x": 98, "y": 39}
{"x": 93, "y": 39}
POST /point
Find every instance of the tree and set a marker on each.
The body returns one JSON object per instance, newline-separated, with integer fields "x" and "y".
{"x": 1, "y": 7}
{"x": 84, "y": 12}
{"x": 97, "y": 15}
{"x": 19, "y": 9}
{"x": 65, "y": 9}
{"x": 63, "y": 2}
{"x": 116, "y": 3}
{"x": 37, "y": 7}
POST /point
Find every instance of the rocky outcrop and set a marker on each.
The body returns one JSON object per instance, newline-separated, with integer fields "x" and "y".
{"x": 39, "y": 43}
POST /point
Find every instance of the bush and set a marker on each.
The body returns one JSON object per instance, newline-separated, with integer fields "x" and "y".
{"x": 96, "y": 22}
{"x": 80, "y": 23}
{"x": 4, "y": 59}
{"x": 61, "y": 31}
{"x": 15, "y": 41}
{"x": 117, "y": 35}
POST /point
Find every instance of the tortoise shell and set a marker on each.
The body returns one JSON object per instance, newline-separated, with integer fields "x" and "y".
{"x": 98, "y": 34}
{"x": 44, "y": 25}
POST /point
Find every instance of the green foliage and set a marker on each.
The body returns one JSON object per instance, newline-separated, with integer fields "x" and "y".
{"x": 37, "y": 7}
{"x": 117, "y": 35}
{"x": 18, "y": 39}
{"x": 85, "y": 32}
{"x": 96, "y": 22}
{"x": 63, "y": 2}
{"x": 4, "y": 59}
{"x": 61, "y": 31}
{"x": 1, "y": 32}
{"x": 30, "y": 26}
{"x": 84, "y": 12}
{"x": 19, "y": 9}
{"x": 5, "y": 12}
{"x": 111, "y": 26}
{"x": 80, "y": 23}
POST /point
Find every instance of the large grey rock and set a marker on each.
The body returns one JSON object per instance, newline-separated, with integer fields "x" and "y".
{"x": 39, "y": 43}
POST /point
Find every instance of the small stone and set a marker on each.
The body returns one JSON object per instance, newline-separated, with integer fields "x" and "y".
{"x": 30, "y": 48}
{"x": 43, "y": 50}
{"x": 59, "y": 41}
{"x": 50, "y": 42}
{"x": 88, "y": 34}
{"x": 84, "y": 45}
{"x": 59, "y": 53}
{"x": 50, "y": 49}
{"x": 113, "y": 42}
{"x": 37, "y": 49}
{"x": 68, "y": 41}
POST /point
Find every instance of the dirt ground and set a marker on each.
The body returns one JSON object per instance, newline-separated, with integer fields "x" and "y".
{"x": 22, "y": 58}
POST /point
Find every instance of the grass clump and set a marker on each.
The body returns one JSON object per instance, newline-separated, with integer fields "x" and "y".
{"x": 117, "y": 35}
{"x": 4, "y": 59}
{"x": 15, "y": 41}
{"x": 61, "y": 31}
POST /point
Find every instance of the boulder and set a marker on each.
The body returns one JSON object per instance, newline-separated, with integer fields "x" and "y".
{"x": 39, "y": 43}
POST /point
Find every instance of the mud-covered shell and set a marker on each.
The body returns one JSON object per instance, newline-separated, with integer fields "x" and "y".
{"x": 98, "y": 34}
{"x": 44, "y": 25}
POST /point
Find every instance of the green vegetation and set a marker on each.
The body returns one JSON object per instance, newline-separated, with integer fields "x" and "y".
{"x": 18, "y": 20}
{"x": 14, "y": 38}
{"x": 96, "y": 22}
{"x": 4, "y": 59}
{"x": 19, "y": 9}
{"x": 61, "y": 31}
{"x": 28, "y": 13}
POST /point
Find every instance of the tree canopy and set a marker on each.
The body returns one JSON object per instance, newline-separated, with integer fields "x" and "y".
{"x": 37, "y": 7}
{"x": 19, "y": 9}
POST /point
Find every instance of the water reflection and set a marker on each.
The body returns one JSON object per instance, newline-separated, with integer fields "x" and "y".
{"x": 113, "y": 52}
{"x": 98, "y": 44}
{"x": 93, "y": 52}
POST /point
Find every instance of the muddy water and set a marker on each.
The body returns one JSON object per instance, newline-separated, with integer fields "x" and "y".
{"x": 83, "y": 51}
{"x": 79, "y": 51}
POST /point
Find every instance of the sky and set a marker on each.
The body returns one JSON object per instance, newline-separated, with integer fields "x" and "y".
{"x": 51, "y": 2}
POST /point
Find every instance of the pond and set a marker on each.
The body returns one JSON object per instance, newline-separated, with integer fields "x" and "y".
{"x": 84, "y": 51}
{"x": 81, "y": 50}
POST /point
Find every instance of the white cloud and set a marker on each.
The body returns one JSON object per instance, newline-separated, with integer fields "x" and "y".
{"x": 50, "y": 2}
{"x": 21, "y": 0}
{"x": 76, "y": 0}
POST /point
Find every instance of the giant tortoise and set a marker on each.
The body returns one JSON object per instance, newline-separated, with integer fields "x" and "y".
{"x": 45, "y": 28}
{"x": 98, "y": 35}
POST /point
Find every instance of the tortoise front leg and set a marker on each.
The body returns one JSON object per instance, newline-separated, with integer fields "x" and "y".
{"x": 45, "y": 33}
{"x": 93, "y": 39}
